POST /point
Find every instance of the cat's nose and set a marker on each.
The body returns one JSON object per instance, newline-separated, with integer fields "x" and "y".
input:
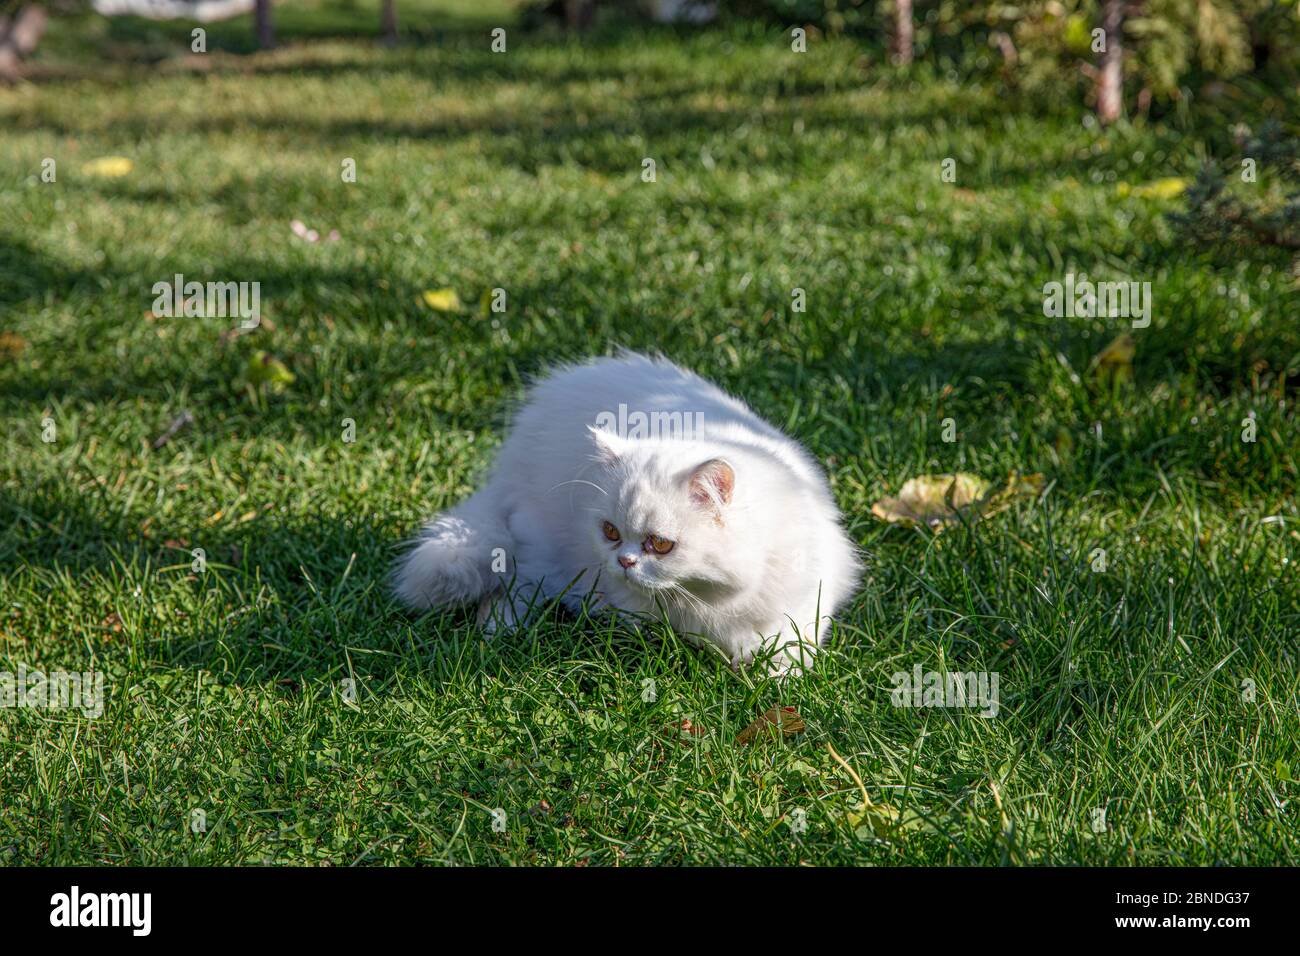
{"x": 627, "y": 560}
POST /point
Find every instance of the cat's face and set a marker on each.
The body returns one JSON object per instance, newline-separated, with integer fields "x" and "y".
{"x": 662, "y": 525}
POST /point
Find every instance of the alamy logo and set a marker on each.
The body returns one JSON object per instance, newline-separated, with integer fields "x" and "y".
{"x": 637, "y": 424}
{"x": 103, "y": 909}
{"x": 1100, "y": 300}
{"x": 211, "y": 300}
{"x": 954, "y": 689}
{"x": 58, "y": 690}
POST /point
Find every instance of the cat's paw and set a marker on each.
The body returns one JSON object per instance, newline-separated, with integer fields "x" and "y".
{"x": 496, "y": 615}
{"x": 788, "y": 657}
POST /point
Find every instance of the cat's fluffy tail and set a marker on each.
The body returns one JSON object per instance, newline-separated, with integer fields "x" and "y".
{"x": 458, "y": 557}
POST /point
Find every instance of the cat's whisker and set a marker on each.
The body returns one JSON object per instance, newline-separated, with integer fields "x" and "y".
{"x": 579, "y": 481}
{"x": 691, "y": 600}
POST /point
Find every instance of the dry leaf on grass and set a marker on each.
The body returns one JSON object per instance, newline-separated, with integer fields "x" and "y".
{"x": 11, "y": 345}
{"x": 932, "y": 500}
{"x": 108, "y": 167}
{"x": 878, "y": 820}
{"x": 265, "y": 369}
{"x": 941, "y": 501}
{"x": 1171, "y": 187}
{"x": 1016, "y": 486}
{"x": 1114, "y": 363}
{"x": 775, "y": 722}
{"x": 442, "y": 300}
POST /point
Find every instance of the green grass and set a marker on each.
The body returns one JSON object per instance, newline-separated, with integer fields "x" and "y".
{"x": 1119, "y": 690}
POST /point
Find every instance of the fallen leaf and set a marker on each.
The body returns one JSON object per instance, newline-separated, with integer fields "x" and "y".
{"x": 108, "y": 167}
{"x": 442, "y": 300}
{"x": 11, "y": 345}
{"x": 1114, "y": 363}
{"x": 932, "y": 500}
{"x": 878, "y": 820}
{"x": 776, "y": 721}
{"x": 1016, "y": 486}
{"x": 1170, "y": 187}
{"x": 941, "y": 501}
{"x": 265, "y": 369}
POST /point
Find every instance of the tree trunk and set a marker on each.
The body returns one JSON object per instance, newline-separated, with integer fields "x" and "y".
{"x": 902, "y": 41}
{"x": 1110, "y": 73}
{"x": 265, "y": 28}
{"x": 578, "y": 14}
{"x": 389, "y": 19}
{"x": 19, "y": 37}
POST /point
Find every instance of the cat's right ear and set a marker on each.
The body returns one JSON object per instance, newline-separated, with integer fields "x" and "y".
{"x": 607, "y": 444}
{"x": 712, "y": 483}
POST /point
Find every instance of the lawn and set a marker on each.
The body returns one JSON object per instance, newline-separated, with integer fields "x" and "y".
{"x": 277, "y": 707}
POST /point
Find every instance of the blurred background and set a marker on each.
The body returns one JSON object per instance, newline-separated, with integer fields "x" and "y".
{"x": 1170, "y": 48}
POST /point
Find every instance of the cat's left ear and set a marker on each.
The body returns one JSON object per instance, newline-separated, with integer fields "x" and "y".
{"x": 608, "y": 445}
{"x": 712, "y": 483}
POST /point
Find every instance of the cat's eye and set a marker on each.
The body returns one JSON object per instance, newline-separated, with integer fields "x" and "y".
{"x": 611, "y": 532}
{"x": 659, "y": 545}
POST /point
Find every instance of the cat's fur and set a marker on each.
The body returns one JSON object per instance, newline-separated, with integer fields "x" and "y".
{"x": 759, "y": 561}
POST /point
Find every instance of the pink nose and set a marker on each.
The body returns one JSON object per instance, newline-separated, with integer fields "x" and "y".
{"x": 627, "y": 560}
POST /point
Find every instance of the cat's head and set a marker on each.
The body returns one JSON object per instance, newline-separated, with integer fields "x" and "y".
{"x": 667, "y": 518}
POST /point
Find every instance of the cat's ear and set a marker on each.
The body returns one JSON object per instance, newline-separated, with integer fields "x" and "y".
{"x": 712, "y": 483}
{"x": 608, "y": 445}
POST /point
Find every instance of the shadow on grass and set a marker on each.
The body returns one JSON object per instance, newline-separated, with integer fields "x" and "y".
{"x": 393, "y": 370}
{"x": 288, "y": 600}
{"x": 28, "y": 275}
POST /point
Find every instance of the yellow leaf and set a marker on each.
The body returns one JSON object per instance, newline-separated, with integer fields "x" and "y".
{"x": 265, "y": 369}
{"x": 880, "y": 817}
{"x": 109, "y": 167}
{"x": 778, "y": 721}
{"x": 1017, "y": 486}
{"x": 442, "y": 300}
{"x": 941, "y": 501}
{"x": 1171, "y": 187}
{"x": 1114, "y": 363}
{"x": 932, "y": 500}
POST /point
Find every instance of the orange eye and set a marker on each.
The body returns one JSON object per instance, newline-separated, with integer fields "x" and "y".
{"x": 611, "y": 532}
{"x": 659, "y": 545}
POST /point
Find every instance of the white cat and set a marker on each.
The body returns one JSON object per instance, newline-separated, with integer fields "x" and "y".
{"x": 638, "y": 485}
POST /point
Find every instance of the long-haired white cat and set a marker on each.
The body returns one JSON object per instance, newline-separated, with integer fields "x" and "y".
{"x": 641, "y": 486}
